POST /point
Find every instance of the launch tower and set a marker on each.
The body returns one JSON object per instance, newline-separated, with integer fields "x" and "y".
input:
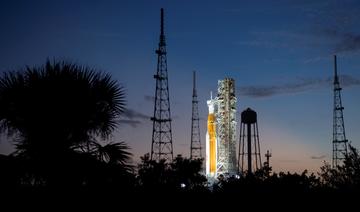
{"x": 222, "y": 131}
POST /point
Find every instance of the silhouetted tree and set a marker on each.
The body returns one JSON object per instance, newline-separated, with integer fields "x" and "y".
{"x": 345, "y": 177}
{"x": 55, "y": 114}
{"x": 262, "y": 182}
{"x": 182, "y": 174}
{"x": 115, "y": 160}
{"x": 186, "y": 174}
{"x": 112, "y": 153}
{"x": 152, "y": 175}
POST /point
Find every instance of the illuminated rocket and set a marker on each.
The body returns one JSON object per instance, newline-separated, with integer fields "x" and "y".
{"x": 211, "y": 141}
{"x": 221, "y": 131}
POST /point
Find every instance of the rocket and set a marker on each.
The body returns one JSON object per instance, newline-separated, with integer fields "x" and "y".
{"x": 211, "y": 141}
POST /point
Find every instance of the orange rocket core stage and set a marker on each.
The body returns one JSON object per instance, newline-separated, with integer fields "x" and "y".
{"x": 212, "y": 142}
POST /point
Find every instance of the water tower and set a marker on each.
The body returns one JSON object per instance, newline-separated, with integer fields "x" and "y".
{"x": 249, "y": 146}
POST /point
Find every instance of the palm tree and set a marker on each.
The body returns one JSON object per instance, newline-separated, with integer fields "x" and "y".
{"x": 112, "y": 153}
{"x": 59, "y": 109}
{"x": 115, "y": 169}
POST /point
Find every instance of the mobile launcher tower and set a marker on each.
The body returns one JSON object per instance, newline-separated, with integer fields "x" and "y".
{"x": 221, "y": 131}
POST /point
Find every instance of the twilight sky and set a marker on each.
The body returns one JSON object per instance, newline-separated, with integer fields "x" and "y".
{"x": 278, "y": 52}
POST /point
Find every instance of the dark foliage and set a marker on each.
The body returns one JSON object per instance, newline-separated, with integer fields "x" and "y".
{"x": 56, "y": 115}
{"x": 261, "y": 183}
{"x": 180, "y": 175}
{"x": 344, "y": 178}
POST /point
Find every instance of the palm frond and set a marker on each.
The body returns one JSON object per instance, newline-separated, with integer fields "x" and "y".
{"x": 61, "y": 103}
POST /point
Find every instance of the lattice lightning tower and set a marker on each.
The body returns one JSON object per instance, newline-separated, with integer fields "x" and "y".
{"x": 195, "y": 149}
{"x": 162, "y": 143}
{"x": 339, "y": 138}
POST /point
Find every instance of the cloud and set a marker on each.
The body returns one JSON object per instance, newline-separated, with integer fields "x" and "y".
{"x": 327, "y": 26}
{"x": 332, "y": 39}
{"x": 349, "y": 42}
{"x": 347, "y": 81}
{"x": 132, "y": 114}
{"x": 272, "y": 90}
{"x": 133, "y": 118}
{"x": 318, "y": 157}
{"x": 343, "y": 41}
{"x": 132, "y": 123}
{"x": 338, "y": 25}
{"x": 301, "y": 85}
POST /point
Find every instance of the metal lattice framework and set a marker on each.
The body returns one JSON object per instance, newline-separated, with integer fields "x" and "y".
{"x": 250, "y": 146}
{"x": 226, "y": 127}
{"x": 195, "y": 147}
{"x": 339, "y": 138}
{"x": 162, "y": 143}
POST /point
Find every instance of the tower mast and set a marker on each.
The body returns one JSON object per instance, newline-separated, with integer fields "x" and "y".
{"x": 339, "y": 138}
{"x": 162, "y": 143}
{"x": 195, "y": 148}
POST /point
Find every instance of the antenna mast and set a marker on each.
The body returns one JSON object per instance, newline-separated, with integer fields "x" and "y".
{"x": 195, "y": 148}
{"x": 162, "y": 143}
{"x": 339, "y": 138}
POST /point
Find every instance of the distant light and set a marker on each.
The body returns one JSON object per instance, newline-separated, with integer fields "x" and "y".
{"x": 182, "y": 185}
{"x": 237, "y": 176}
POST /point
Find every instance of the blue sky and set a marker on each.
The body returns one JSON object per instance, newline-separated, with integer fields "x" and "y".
{"x": 278, "y": 52}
